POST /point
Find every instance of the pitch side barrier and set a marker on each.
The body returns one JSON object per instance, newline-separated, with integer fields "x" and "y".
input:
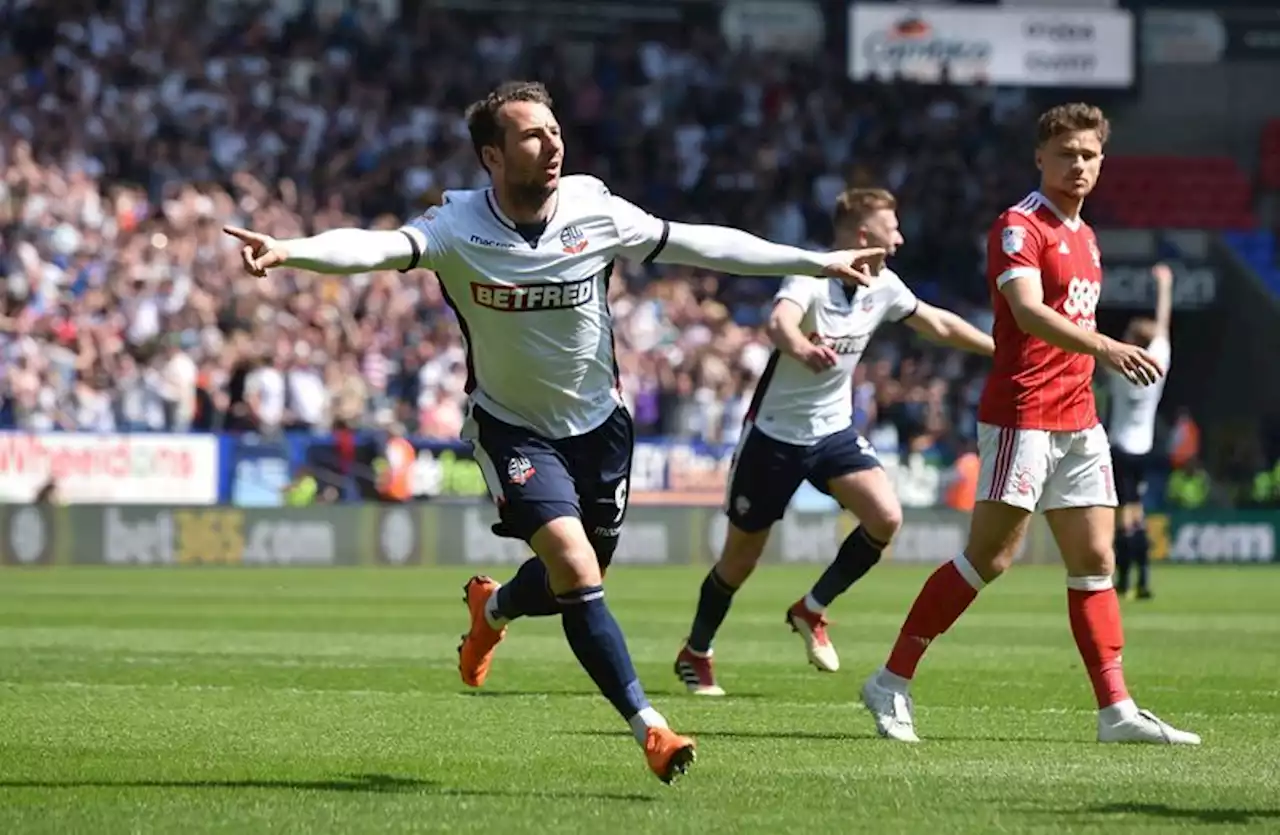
{"x": 457, "y": 533}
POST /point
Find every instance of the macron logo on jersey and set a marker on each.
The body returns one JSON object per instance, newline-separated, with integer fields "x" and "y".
{"x": 479, "y": 241}
{"x": 529, "y": 297}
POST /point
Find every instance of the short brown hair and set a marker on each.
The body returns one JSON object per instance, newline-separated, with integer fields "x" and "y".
{"x": 482, "y": 115}
{"x": 1069, "y": 118}
{"x": 855, "y": 205}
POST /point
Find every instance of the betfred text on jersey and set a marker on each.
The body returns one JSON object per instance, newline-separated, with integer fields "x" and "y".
{"x": 841, "y": 344}
{"x": 534, "y": 296}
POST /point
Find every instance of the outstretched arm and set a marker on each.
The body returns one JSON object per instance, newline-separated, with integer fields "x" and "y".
{"x": 336, "y": 252}
{"x": 730, "y": 250}
{"x": 947, "y": 328}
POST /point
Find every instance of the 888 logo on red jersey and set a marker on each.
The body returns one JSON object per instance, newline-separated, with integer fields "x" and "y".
{"x": 1081, "y": 303}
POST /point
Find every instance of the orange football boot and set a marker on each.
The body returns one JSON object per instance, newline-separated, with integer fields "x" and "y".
{"x": 475, "y": 653}
{"x": 668, "y": 753}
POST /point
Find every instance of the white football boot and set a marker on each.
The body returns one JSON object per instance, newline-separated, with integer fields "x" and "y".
{"x": 892, "y": 709}
{"x": 1124, "y": 722}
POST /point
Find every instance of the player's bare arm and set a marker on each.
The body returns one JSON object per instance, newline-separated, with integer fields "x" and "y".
{"x": 784, "y": 331}
{"x": 733, "y": 251}
{"x": 1163, "y": 277}
{"x": 336, "y": 252}
{"x": 946, "y": 328}
{"x": 1025, "y": 296}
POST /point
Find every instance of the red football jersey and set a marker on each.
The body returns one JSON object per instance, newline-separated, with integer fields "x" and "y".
{"x": 1032, "y": 384}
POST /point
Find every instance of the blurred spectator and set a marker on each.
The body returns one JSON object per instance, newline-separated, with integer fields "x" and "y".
{"x": 129, "y": 135}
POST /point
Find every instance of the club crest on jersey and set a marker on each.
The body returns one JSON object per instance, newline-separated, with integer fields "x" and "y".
{"x": 1095, "y": 254}
{"x": 573, "y": 240}
{"x": 1012, "y": 239}
{"x": 519, "y": 470}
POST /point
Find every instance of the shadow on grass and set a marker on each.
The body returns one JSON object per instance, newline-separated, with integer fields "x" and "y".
{"x": 498, "y": 694}
{"x": 352, "y": 783}
{"x": 835, "y": 736}
{"x": 699, "y": 734}
{"x": 1174, "y": 813}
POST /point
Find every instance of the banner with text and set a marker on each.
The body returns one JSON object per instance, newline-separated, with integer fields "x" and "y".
{"x": 1232, "y": 536}
{"x": 1032, "y": 47}
{"x": 424, "y": 534}
{"x": 152, "y": 535}
{"x": 117, "y": 469}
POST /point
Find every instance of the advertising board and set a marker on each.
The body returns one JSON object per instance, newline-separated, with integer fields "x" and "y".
{"x": 1032, "y": 47}
{"x": 116, "y": 469}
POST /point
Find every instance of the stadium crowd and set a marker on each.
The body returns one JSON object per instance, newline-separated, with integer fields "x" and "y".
{"x": 128, "y": 137}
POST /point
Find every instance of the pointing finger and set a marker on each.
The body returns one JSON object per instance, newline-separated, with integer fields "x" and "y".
{"x": 245, "y": 235}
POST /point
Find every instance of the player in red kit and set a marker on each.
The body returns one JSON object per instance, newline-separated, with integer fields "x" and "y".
{"x": 1039, "y": 438}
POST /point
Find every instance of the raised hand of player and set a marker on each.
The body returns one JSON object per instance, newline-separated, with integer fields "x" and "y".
{"x": 260, "y": 252}
{"x": 1137, "y": 366}
{"x": 819, "y": 358}
{"x": 1162, "y": 274}
{"x": 859, "y": 265}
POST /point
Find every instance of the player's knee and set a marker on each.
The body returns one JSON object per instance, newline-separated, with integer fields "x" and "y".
{"x": 884, "y": 523}
{"x": 563, "y": 547}
{"x": 1096, "y": 560}
{"x": 990, "y": 565}
{"x": 990, "y": 561}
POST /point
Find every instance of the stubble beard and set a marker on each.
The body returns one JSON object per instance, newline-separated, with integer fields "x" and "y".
{"x": 530, "y": 196}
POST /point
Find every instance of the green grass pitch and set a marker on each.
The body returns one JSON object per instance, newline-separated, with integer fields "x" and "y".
{"x": 299, "y": 700}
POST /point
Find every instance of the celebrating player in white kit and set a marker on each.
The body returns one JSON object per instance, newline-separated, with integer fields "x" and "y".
{"x": 800, "y": 427}
{"x": 525, "y": 265}
{"x": 1040, "y": 442}
{"x": 1132, "y": 428}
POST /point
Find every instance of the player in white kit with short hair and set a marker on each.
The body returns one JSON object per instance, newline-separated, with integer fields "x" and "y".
{"x": 800, "y": 427}
{"x": 1132, "y": 427}
{"x": 525, "y": 265}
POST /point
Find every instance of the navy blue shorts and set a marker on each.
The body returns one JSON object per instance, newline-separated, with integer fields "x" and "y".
{"x": 766, "y": 473}
{"x": 535, "y": 479}
{"x": 1131, "y": 476}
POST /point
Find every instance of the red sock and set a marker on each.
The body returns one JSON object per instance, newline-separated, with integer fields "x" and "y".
{"x": 945, "y": 596}
{"x": 1095, "y": 622}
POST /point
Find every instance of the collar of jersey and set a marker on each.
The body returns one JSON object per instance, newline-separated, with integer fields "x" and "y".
{"x": 1072, "y": 223}
{"x": 492, "y": 202}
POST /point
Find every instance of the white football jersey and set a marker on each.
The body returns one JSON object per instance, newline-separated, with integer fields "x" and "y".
{"x": 533, "y": 313}
{"x": 792, "y": 403}
{"x": 1132, "y": 427}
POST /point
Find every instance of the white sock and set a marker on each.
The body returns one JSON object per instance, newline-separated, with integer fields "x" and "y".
{"x": 491, "y": 611}
{"x": 1118, "y": 712}
{"x": 813, "y": 605}
{"x": 893, "y": 681}
{"x": 644, "y": 720}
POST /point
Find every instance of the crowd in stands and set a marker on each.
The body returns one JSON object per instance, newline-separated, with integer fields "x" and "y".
{"x": 130, "y": 136}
